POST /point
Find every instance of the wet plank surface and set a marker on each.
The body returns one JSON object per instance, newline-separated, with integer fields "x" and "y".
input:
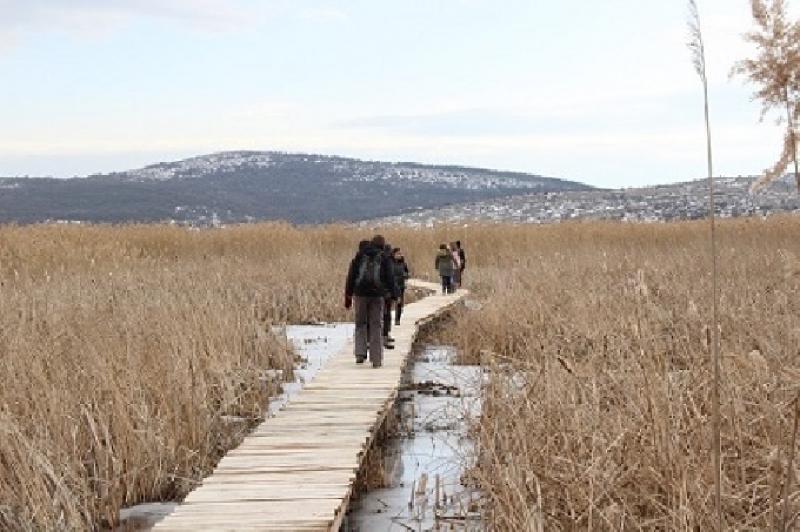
{"x": 295, "y": 471}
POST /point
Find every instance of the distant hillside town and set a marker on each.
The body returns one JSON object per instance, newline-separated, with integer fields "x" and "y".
{"x": 663, "y": 203}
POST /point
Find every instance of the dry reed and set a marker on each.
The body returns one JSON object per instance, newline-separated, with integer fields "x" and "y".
{"x": 598, "y": 412}
{"x": 133, "y": 357}
{"x": 697, "y": 47}
{"x": 775, "y": 70}
{"x": 122, "y": 348}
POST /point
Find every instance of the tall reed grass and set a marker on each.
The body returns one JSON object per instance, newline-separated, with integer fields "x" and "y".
{"x": 597, "y": 337}
{"x": 124, "y": 348}
{"x": 127, "y": 351}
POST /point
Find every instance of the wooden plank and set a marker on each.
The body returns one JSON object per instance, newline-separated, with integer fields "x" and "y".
{"x": 260, "y": 492}
{"x": 282, "y": 479}
{"x": 339, "y": 440}
{"x": 299, "y": 463}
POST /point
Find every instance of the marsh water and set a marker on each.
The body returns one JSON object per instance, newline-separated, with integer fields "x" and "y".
{"x": 425, "y": 464}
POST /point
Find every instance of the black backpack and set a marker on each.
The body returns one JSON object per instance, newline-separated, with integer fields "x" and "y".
{"x": 368, "y": 278}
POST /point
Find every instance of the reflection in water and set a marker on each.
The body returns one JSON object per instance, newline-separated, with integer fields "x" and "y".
{"x": 424, "y": 466}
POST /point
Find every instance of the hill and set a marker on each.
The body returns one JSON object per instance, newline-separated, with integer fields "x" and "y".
{"x": 242, "y": 186}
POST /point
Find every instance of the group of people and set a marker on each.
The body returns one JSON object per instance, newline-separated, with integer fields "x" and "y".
{"x": 376, "y": 282}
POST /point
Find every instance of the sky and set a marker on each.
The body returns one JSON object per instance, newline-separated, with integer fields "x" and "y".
{"x": 599, "y": 91}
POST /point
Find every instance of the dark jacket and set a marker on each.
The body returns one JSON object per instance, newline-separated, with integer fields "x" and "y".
{"x": 389, "y": 289}
{"x": 445, "y": 263}
{"x": 400, "y": 273}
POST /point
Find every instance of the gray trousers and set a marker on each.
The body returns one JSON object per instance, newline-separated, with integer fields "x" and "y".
{"x": 369, "y": 326}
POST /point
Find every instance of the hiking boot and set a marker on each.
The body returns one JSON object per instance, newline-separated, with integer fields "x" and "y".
{"x": 376, "y": 364}
{"x": 360, "y": 360}
{"x": 388, "y": 342}
{"x": 397, "y": 321}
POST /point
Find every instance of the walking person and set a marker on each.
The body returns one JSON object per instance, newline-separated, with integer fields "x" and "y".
{"x": 388, "y": 341}
{"x": 446, "y": 267}
{"x": 456, "y": 266}
{"x": 462, "y": 256}
{"x": 369, "y": 279}
{"x": 363, "y": 245}
{"x": 400, "y": 276}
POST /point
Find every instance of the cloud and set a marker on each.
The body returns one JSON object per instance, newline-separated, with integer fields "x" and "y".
{"x": 271, "y": 109}
{"x": 8, "y": 42}
{"x": 578, "y": 113}
{"x": 323, "y": 14}
{"x": 98, "y": 17}
{"x": 468, "y": 122}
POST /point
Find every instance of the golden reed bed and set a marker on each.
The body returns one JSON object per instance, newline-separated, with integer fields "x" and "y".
{"x": 122, "y": 350}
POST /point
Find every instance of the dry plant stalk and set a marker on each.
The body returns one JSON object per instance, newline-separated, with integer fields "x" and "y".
{"x": 697, "y": 47}
{"x": 776, "y": 71}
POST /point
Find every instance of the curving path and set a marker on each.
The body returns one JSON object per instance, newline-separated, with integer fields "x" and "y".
{"x": 295, "y": 471}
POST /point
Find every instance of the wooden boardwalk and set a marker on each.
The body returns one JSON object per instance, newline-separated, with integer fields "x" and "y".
{"x": 295, "y": 471}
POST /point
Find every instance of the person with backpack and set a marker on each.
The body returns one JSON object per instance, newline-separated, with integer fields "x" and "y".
{"x": 446, "y": 267}
{"x": 370, "y": 281}
{"x": 362, "y": 245}
{"x": 400, "y": 276}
